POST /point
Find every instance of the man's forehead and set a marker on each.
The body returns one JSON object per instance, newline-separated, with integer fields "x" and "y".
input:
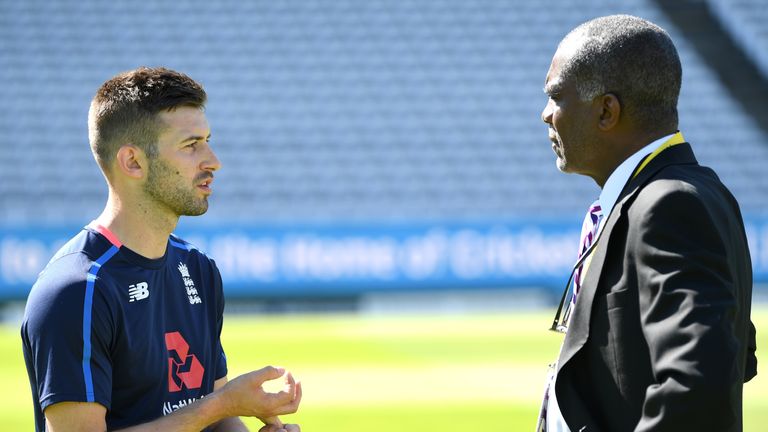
{"x": 185, "y": 121}
{"x": 553, "y": 78}
{"x": 570, "y": 44}
{"x": 565, "y": 51}
{"x": 183, "y": 115}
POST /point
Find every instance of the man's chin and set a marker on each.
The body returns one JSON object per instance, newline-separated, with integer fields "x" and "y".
{"x": 194, "y": 213}
{"x": 198, "y": 210}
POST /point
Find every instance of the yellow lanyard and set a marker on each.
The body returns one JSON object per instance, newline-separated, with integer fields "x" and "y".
{"x": 674, "y": 140}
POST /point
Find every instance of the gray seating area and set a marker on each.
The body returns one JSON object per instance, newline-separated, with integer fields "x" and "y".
{"x": 335, "y": 110}
{"x": 746, "y": 22}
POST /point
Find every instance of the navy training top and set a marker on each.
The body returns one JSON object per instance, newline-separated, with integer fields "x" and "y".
{"x": 139, "y": 336}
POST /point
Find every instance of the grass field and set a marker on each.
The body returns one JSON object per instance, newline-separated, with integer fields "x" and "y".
{"x": 396, "y": 373}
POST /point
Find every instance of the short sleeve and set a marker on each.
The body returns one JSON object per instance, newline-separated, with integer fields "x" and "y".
{"x": 66, "y": 343}
{"x": 221, "y": 358}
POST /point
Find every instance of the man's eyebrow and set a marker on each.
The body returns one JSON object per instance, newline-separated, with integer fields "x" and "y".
{"x": 552, "y": 87}
{"x": 196, "y": 138}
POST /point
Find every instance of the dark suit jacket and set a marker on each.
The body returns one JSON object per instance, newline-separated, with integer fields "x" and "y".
{"x": 661, "y": 338}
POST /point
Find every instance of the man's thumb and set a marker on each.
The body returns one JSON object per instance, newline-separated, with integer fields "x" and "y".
{"x": 269, "y": 373}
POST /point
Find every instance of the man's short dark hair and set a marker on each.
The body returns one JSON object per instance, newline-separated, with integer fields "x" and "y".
{"x": 125, "y": 108}
{"x": 631, "y": 58}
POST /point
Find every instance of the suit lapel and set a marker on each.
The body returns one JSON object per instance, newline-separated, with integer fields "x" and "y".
{"x": 578, "y": 328}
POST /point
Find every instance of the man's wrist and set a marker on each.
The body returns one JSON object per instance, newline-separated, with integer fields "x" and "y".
{"x": 216, "y": 406}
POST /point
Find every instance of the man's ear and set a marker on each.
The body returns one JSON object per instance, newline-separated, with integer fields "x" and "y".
{"x": 131, "y": 161}
{"x": 610, "y": 111}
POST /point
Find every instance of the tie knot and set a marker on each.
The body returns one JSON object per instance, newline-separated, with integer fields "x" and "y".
{"x": 595, "y": 213}
{"x": 596, "y": 209}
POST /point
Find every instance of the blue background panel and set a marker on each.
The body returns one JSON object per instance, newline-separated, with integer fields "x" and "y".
{"x": 330, "y": 260}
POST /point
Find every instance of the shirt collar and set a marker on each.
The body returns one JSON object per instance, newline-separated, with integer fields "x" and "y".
{"x": 621, "y": 174}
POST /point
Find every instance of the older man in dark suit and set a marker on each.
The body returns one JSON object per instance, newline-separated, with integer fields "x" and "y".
{"x": 658, "y": 330}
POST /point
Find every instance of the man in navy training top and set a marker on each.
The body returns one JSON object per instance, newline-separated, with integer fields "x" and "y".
{"x": 122, "y": 328}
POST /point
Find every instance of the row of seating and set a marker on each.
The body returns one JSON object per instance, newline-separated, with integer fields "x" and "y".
{"x": 335, "y": 109}
{"x": 745, "y": 21}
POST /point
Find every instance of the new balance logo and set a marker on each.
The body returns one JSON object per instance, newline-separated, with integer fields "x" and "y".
{"x": 140, "y": 291}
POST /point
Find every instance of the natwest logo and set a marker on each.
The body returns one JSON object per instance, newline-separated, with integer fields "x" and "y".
{"x": 184, "y": 369}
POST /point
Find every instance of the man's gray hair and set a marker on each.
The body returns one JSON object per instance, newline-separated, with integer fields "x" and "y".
{"x": 631, "y": 58}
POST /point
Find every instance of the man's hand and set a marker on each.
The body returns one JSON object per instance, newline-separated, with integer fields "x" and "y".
{"x": 245, "y": 396}
{"x": 284, "y": 428}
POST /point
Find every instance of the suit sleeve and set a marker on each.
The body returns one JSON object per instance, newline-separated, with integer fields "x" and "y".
{"x": 688, "y": 308}
{"x": 750, "y": 368}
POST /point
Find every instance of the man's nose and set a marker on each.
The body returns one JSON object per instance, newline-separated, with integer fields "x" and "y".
{"x": 546, "y": 115}
{"x": 211, "y": 163}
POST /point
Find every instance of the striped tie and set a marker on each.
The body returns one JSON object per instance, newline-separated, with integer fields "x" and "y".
{"x": 588, "y": 233}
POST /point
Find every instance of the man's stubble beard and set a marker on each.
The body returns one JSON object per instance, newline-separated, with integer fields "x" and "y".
{"x": 165, "y": 187}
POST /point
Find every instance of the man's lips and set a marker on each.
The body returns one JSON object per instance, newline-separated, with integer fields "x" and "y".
{"x": 556, "y": 147}
{"x": 552, "y": 136}
{"x": 205, "y": 184}
{"x": 555, "y": 141}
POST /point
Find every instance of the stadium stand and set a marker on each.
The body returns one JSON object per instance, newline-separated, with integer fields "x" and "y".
{"x": 746, "y": 19}
{"x": 340, "y": 109}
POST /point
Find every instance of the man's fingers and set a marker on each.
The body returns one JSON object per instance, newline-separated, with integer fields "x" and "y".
{"x": 273, "y": 428}
{"x": 290, "y": 392}
{"x": 287, "y": 400}
{"x": 293, "y": 405}
{"x": 281, "y": 398}
{"x": 274, "y": 421}
{"x": 269, "y": 373}
{"x": 290, "y": 382}
{"x": 286, "y": 428}
{"x": 297, "y": 399}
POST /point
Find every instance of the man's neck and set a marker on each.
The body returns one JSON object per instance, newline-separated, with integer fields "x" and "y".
{"x": 139, "y": 226}
{"x": 625, "y": 146}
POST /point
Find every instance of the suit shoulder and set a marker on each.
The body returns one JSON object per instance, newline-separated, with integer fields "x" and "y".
{"x": 692, "y": 181}
{"x": 685, "y": 195}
